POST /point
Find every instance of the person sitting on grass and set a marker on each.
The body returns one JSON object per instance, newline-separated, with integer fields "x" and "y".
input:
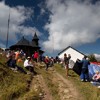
{"x": 28, "y": 65}
{"x": 11, "y": 63}
{"x": 96, "y": 79}
{"x": 96, "y": 76}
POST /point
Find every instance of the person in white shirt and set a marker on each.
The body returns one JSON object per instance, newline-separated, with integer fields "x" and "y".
{"x": 28, "y": 65}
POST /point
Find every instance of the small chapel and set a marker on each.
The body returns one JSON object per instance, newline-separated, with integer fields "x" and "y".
{"x": 29, "y": 47}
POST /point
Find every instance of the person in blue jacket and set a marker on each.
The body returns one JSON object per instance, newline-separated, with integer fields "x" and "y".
{"x": 84, "y": 72}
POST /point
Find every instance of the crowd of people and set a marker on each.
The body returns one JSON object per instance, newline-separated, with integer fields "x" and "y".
{"x": 14, "y": 57}
{"x": 84, "y": 70}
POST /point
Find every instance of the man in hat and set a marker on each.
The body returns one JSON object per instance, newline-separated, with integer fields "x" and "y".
{"x": 28, "y": 65}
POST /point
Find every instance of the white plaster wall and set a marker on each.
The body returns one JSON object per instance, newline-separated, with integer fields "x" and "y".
{"x": 74, "y": 54}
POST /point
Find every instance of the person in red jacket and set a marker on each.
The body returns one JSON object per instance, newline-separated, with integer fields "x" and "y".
{"x": 36, "y": 56}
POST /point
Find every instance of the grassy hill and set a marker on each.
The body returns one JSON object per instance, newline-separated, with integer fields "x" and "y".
{"x": 14, "y": 85}
{"x": 19, "y": 86}
{"x": 87, "y": 90}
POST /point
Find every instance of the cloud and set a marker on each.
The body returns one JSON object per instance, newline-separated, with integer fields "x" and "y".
{"x": 2, "y": 45}
{"x": 72, "y": 22}
{"x": 42, "y": 7}
{"x": 97, "y": 56}
{"x": 42, "y": 11}
{"x": 18, "y": 16}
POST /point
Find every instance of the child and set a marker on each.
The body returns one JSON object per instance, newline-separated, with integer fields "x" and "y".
{"x": 96, "y": 79}
{"x": 96, "y": 76}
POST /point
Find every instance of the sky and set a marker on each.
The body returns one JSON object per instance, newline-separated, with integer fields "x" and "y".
{"x": 58, "y": 24}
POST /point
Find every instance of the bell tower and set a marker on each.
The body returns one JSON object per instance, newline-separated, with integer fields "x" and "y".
{"x": 35, "y": 40}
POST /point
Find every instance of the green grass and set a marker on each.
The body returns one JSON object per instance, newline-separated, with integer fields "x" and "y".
{"x": 88, "y": 91}
{"x": 31, "y": 95}
{"x": 48, "y": 78}
{"x": 14, "y": 85}
{"x": 53, "y": 87}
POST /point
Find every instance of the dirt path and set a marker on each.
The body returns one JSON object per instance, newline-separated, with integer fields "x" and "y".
{"x": 40, "y": 83}
{"x": 66, "y": 90}
{"x": 47, "y": 95}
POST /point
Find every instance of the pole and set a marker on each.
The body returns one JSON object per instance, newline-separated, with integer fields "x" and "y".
{"x": 53, "y": 42}
{"x": 8, "y": 29}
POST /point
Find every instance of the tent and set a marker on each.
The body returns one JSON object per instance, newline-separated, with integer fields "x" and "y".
{"x": 92, "y": 68}
{"x": 77, "y": 67}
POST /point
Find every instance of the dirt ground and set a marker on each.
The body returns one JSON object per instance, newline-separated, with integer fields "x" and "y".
{"x": 66, "y": 90}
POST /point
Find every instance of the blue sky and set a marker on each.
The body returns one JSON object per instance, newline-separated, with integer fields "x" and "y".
{"x": 58, "y": 24}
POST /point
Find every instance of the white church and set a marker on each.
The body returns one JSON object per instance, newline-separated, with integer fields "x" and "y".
{"x": 75, "y": 54}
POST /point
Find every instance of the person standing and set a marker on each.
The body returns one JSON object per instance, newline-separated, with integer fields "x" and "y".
{"x": 84, "y": 72}
{"x": 66, "y": 62}
{"x": 36, "y": 56}
{"x": 46, "y": 60}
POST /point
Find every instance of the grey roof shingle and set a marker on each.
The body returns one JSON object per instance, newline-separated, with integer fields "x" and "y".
{"x": 23, "y": 41}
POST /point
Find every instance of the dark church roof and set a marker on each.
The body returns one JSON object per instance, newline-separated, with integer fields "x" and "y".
{"x": 28, "y": 46}
{"x": 23, "y": 41}
{"x": 35, "y": 37}
{"x": 33, "y": 44}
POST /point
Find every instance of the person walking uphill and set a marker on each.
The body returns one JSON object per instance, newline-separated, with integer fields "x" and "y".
{"x": 66, "y": 62}
{"x": 84, "y": 72}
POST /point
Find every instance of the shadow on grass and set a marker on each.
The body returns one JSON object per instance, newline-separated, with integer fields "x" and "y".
{"x": 72, "y": 75}
{"x": 3, "y": 64}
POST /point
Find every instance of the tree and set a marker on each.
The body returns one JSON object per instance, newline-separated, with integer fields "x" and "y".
{"x": 92, "y": 58}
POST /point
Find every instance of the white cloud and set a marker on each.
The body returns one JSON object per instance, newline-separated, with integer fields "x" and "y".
{"x": 97, "y": 56}
{"x": 18, "y": 15}
{"x": 42, "y": 11}
{"x": 2, "y": 45}
{"x": 72, "y": 23}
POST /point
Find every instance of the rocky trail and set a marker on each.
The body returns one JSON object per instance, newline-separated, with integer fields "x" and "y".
{"x": 45, "y": 94}
{"x": 66, "y": 90}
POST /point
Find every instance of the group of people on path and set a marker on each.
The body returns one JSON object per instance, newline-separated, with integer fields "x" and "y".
{"x": 85, "y": 71}
{"x": 15, "y": 57}
{"x": 84, "y": 76}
